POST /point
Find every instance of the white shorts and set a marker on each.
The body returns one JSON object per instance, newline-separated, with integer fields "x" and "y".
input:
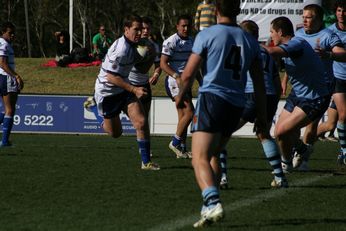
{"x": 172, "y": 88}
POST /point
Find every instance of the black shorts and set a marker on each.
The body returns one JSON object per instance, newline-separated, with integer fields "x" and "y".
{"x": 114, "y": 104}
{"x": 340, "y": 86}
{"x": 149, "y": 96}
{"x": 213, "y": 114}
{"x": 249, "y": 113}
{"x": 313, "y": 108}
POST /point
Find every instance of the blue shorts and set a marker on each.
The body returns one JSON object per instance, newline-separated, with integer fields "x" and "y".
{"x": 114, "y": 104}
{"x": 340, "y": 86}
{"x": 249, "y": 113}
{"x": 213, "y": 114}
{"x": 148, "y": 98}
{"x": 313, "y": 108}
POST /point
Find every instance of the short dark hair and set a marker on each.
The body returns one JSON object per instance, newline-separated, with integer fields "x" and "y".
{"x": 317, "y": 9}
{"x": 284, "y": 24}
{"x": 250, "y": 27}
{"x": 228, "y": 8}
{"x": 340, "y": 3}
{"x": 7, "y": 25}
{"x": 147, "y": 20}
{"x": 129, "y": 19}
{"x": 184, "y": 17}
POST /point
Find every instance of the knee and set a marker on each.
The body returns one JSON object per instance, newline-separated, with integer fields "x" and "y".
{"x": 140, "y": 123}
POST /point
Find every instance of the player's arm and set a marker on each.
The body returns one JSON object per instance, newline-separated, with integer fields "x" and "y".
{"x": 156, "y": 74}
{"x": 276, "y": 52}
{"x": 4, "y": 65}
{"x": 284, "y": 82}
{"x": 167, "y": 68}
{"x": 256, "y": 73}
{"x": 338, "y": 54}
{"x": 117, "y": 80}
{"x": 188, "y": 77}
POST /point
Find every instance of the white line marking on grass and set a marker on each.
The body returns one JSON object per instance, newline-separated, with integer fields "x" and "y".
{"x": 189, "y": 220}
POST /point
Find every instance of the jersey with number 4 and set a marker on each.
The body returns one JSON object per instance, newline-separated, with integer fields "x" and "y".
{"x": 228, "y": 52}
{"x": 339, "y": 67}
{"x": 305, "y": 69}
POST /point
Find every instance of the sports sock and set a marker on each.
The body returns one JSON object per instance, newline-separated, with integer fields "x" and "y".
{"x": 342, "y": 136}
{"x": 95, "y": 111}
{"x": 2, "y": 115}
{"x": 223, "y": 162}
{"x": 210, "y": 196}
{"x": 7, "y": 127}
{"x": 144, "y": 149}
{"x": 271, "y": 151}
{"x": 176, "y": 140}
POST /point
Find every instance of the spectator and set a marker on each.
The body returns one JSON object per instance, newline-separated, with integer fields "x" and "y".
{"x": 205, "y": 15}
{"x": 101, "y": 43}
{"x": 62, "y": 56}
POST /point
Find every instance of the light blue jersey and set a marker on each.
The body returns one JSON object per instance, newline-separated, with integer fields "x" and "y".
{"x": 270, "y": 72}
{"x": 228, "y": 52}
{"x": 339, "y": 67}
{"x": 325, "y": 39}
{"x": 305, "y": 69}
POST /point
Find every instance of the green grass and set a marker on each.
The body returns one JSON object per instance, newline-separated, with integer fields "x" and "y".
{"x": 69, "y": 81}
{"x": 71, "y": 182}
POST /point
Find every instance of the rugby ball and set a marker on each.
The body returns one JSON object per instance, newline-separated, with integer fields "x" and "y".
{"x": 142, "y": 51}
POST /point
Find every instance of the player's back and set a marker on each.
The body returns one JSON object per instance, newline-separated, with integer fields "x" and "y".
{"x": 339, "y": 67}
{"x": 228, "y": 53}
{"x": 270, "y": 72}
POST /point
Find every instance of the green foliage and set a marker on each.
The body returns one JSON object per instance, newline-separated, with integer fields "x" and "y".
{"x": 69, "y": 182}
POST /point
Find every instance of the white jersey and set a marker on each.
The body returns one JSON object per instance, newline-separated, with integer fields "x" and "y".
{"x": 178, "y": 50}
{"x": 136, "y": 76}
{"x": 119, "y": 60}
{"x": 6, "y": 50}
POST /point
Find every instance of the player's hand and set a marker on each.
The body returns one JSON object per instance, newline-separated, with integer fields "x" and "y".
{"x": 19, "y": 82}
{"x": 153, "y": 79}
{"x": 140, "y": 92}
{"x": 322, "y": 53}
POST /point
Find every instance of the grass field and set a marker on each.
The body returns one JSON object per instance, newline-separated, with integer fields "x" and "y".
{"x": 70, "y": 182}
{"x": 68, "y": 81}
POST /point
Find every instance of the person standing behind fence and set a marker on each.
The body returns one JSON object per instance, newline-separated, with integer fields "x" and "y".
{"x": 10, "y": 82}
{"x": 101, "y": 43}
{"x": 205, "y": 15}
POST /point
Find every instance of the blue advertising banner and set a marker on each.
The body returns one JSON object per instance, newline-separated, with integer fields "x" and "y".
{"x": 58, "y": 114}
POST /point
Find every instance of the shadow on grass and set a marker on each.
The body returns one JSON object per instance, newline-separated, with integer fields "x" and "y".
{"x": 285, "y": 222}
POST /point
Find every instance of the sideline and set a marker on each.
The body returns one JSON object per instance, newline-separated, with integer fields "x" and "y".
{"x": 272, "y": 193}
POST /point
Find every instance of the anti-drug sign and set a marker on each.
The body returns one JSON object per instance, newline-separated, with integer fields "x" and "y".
{"x": 264, "y": 11}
